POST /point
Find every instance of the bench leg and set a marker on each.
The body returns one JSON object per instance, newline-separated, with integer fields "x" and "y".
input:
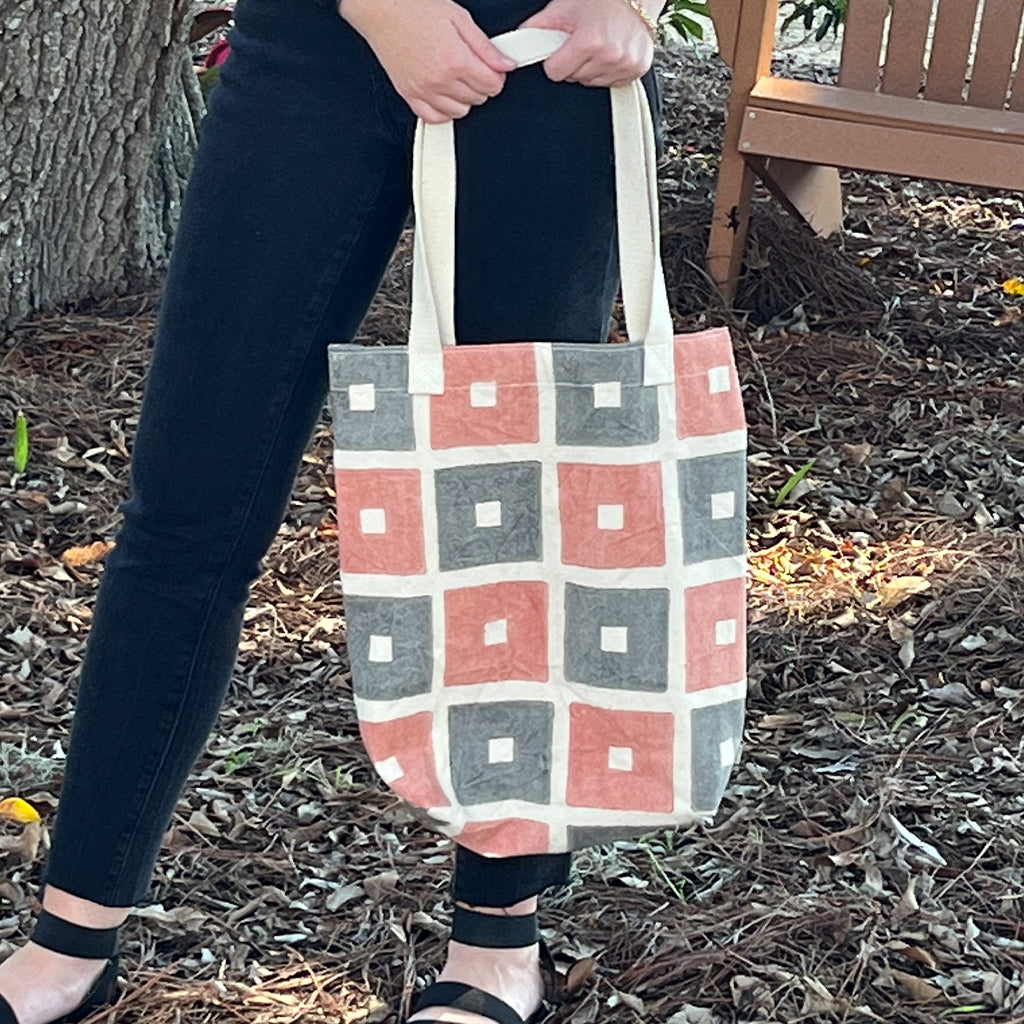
{"x": 729, "y": 223}
{"x": 811, "y": 191}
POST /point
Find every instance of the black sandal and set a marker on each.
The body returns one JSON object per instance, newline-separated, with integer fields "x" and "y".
{"x": 76, "y": 940}
{"x": 490, "y": 931}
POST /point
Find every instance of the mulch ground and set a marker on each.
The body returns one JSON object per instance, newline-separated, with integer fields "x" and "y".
{"x": 868, "y": 860}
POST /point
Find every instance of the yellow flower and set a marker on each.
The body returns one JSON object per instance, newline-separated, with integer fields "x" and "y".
{"x": 1015, "y": 286}
{"x": 18, "y": 810}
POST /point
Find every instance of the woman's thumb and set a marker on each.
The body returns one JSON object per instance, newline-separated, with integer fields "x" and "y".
{"x": 543, "y": 19}
{"x": 478, "y": 42}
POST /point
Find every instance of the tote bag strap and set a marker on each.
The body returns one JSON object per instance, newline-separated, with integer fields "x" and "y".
{"x": 434, "y": 176}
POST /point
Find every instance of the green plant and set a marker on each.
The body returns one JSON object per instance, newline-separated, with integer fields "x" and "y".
{"x": 20, "y": 443}
{"x": 679, "y": 14}
{"x": 683, "y": 15}
{"x": 236, "y": 760}
{"x": 831, "y": 12}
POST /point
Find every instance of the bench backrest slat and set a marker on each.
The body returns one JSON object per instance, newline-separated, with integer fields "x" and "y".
{"x": 862, "y": 44}
{"x": 1017, "y": 99}
{"x": 904, "y": 55}
{"x": 950, "y": 72}
{"x": 951, "y": 51}
{"x": 997, "y": 44}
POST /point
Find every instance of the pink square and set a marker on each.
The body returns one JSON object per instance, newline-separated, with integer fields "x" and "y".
{"x": 708, "y": 399}
{"x": 599, "y": 773}
{"x": 510, "y": 837}
{"x": 380, "y": 521}
{"x": 494, "y": 632}
{"x": 406, "y": 745}
{"x": 716, "y": 634}
{"x": 490, "y": 397}
{"x": 612, "y": 516}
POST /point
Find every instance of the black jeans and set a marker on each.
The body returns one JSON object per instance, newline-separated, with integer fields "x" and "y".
{"x": 298, "y": 195}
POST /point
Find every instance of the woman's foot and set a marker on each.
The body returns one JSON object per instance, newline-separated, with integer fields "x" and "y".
{"x": 42, "y": 986}
{"x": 511, "y": 974}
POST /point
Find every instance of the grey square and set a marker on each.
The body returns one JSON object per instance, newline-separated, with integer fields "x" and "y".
{"x": 710, "y": 728}
{"x": 703, "y": 483}
{"x": 640, "y": 616}
{"x": 406, "y": 624}
{"x": 581, "y": 836}
{"x": 511, "y": 487}
{"x": 521, "y": 730}
{"x": 386, "y": 427}
{"x": 581, "y": 419}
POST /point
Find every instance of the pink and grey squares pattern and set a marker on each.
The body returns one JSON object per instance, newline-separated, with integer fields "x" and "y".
{"x": 544, "y": 582}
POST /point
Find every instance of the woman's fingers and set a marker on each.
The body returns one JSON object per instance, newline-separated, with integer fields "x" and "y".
{"x": 437, "y": 57}
{"x": 444, "y": 111}
{"x": 482, "y": 47}
{"x": 607, "y": 45}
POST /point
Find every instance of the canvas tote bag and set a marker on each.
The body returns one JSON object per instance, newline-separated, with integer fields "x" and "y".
{"x": 542, "y": 546}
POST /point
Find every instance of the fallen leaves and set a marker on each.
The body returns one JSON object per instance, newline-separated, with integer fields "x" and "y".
{"x": 18, "y": 810}
{"x": 96, "y": 552}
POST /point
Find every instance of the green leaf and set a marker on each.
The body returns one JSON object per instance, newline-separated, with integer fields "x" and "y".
{"x": 20, "y": 444}
{"x": 688, "y": 27}
{"x": 787, "y": 487}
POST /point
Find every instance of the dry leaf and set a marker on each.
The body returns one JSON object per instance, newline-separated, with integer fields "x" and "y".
{"x": 1014, "y": 286}
{"x": 919, "y": 990}
{"x": 857, "y": 454}
{"x": 900, "y": 589}
{"x": 817, "y": 998}
{"x": 378, "y": 886}
{"x": 1009, "y": 315}
{"x": 580, "y": 973}
{"x": 635, "y": 1003}
{"x": 691, "y": 1014}
{"x": 76, "y": 557}
{"x": 18, "y": 810}
{"x": 904, "y": 636}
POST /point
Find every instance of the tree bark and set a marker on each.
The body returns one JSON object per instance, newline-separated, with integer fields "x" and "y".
{"x": 97, "y": 132}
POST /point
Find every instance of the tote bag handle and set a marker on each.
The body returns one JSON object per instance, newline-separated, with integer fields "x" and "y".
{"x": 643, "y": 283}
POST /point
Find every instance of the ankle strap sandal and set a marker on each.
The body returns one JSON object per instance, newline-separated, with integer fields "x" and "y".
{"x": 490, "y": 931}
{"x": 60, "y": 936}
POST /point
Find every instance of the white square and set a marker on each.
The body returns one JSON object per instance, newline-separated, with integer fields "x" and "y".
{"x": 615, "y": 639}
{"x": 483, "y": 394}
{"x": 610, "y": 517}
{"x": 620, "y": 759}
{"x": 719, "y": 380}
{"x": 726, "y": 632}
{"x": 727, "y": 753}
{"x": 362, "y": 397}
{"x": 381, "y": 649}
{"x": 501, "y": 750}
{"x": 496, "y": 632}
{"x": 488, "y": 513}
{"x": 389, "y": 770}
{"x": 607, "y": 394}
{"x": 373, "y": 520}
{"x": 723, "y": 505}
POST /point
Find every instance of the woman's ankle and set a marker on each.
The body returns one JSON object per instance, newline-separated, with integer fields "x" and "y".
{"x": 82, "y": 911}
{"x": 523, "y": 907}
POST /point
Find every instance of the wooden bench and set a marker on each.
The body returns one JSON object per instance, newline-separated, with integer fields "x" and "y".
{"x": 933, "y": 99}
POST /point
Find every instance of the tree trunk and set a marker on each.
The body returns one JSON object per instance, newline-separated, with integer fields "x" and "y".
{"x": 97, "y": 131}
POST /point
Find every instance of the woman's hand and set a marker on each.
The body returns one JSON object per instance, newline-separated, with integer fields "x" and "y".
{"x": 436, "y": 56}
{"x": 608, "y": 43}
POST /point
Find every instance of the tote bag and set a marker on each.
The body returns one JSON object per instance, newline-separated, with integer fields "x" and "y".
{"x": 543, "y": 546}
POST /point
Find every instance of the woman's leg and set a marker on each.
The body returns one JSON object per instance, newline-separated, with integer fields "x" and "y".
{"x": 536, "y": 259}
{"x": 295, "y": 202}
